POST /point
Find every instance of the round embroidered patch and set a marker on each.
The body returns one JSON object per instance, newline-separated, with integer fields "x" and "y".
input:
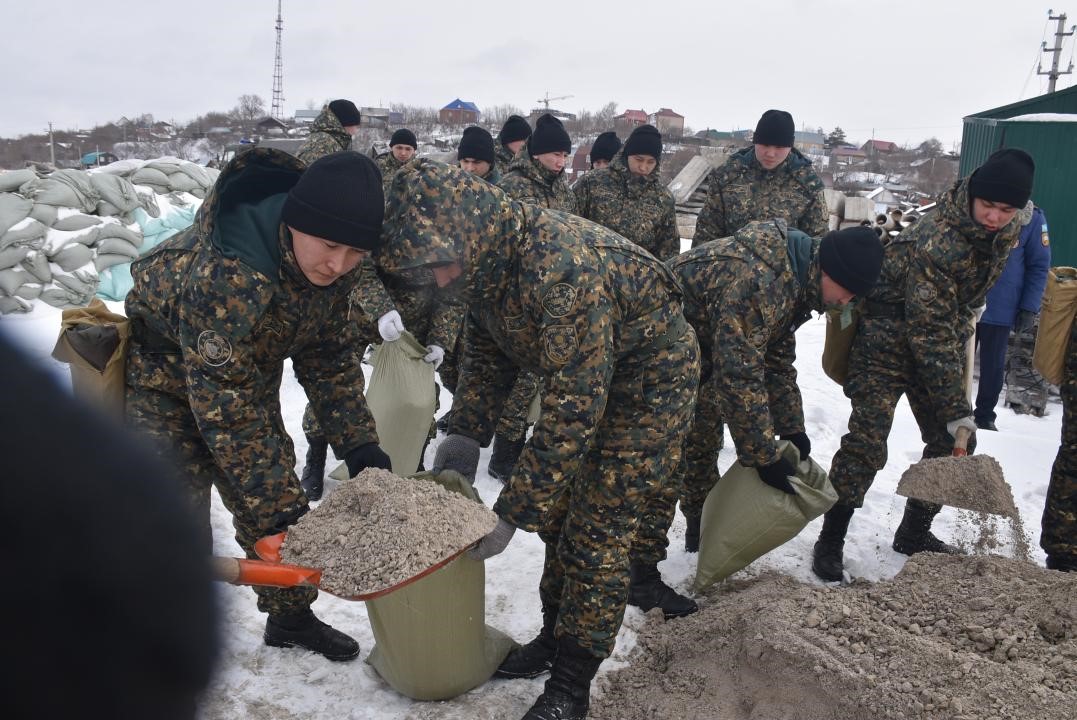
{"x": 926, "y": 292}
{"x": 560, "y": 343}
{"x": 559, "y": 300}
{"x": 214, "y": 348}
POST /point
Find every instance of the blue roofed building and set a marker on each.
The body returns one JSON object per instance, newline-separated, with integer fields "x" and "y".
{"x": 459, "y": 112}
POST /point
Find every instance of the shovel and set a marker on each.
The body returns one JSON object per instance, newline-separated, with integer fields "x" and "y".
{"x": 972, "y": 483}
{"x": 271, "y": 572}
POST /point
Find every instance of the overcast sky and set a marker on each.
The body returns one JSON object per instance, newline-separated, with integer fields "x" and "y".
{"x": 904, "y": 71}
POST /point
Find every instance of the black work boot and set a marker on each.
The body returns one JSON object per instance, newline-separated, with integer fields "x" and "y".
{"x": 568, "y": 691}
{"x": 536, "y": 657}
{"x": 1062, "y": 563}
{"x": 313, "y": 479}
{"x": 646, "y": 591}
{"x": 914, "y": 533}
{"x": 308, "y": 632}
{"x": 691, "y": 533}
{"x": 503, "y": 458}
{"x": 826, "y": 560}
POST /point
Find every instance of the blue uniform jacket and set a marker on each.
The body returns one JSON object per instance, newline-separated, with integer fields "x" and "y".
{"x": 1020, "y": 287}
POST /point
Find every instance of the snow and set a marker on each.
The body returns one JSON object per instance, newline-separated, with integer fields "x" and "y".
{"x": 259, "y": 682}
{"x": 1043, "y": 117}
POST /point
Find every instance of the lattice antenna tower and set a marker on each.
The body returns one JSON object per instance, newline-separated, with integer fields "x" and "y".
{"x": 278, "y": 72}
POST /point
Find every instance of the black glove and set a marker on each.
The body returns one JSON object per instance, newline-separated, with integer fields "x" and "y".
{"x": 459, "y": 453}
{"x": 777, "y": 475}
{"x": 803, "y": 444}
{"x": 1024, "y": 322}
{"x": 367, "y": 456}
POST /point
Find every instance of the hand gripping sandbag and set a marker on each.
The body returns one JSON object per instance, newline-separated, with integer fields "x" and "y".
{"x": 432, "y": 641}
{"x": 744, "y": 519}
{"x": 1056, "y": 318}
{"x": 93, "y": 341}
{"x": 402, "y": 399}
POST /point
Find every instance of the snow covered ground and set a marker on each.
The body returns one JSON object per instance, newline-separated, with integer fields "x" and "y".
{"x": 262, "y": 683}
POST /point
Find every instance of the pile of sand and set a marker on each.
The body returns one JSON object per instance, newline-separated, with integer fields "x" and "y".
{"x": 974, "y": 482}
{"x": 379, "y": 529}
{"x": 948, "y": 637}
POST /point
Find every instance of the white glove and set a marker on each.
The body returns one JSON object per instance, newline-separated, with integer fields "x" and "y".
{"x": 390, "y": 326}
{"x": 493, "y": 543}
{"x": 434, "y": 355}
{"x": 965, "y": 422}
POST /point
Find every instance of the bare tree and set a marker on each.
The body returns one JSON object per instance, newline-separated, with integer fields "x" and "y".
{"x": 496, "y": 115}
{"x": 250, "y": 107}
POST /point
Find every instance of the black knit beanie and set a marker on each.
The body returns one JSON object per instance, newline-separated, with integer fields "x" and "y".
{"x": 338, "y": 198}
{"x": 853, "y": 258}
{"x": 775, "y": 128}
{"x": 606, "y": 146}
{"x": 476, "y": 144}
{"x": 345, "y": 111}
{"x": 515, "y": 128}
{"x": 644, "y": 140}
{"x": 1005, "y": 177}
{"x": 549, "y": 136}
{"x": 403, "y": 136}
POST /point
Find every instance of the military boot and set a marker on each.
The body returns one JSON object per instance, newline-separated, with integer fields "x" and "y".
{"x": 314, "y": 470}
{"x": 914, "y": 533}
{"x": 1062, "y": 563}
{"x": 691, "y": 533}
{"x": 536, "y": 657}
{"x": 646, "y": 591}
{"x": 567, "y": 695}
{"x": 504, "y": 456}
{"x": 308, "y": 632}
{"x": 827, "y": 555}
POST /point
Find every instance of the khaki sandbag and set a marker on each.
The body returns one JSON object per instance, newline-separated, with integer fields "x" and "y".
{"x": 744, "y": 518}
{"x": 402, "y": 398}
{"x": 431, "y": 637}
{"x": 1056, "y": 318}
{"x": 93, "y": 341}
{"x": 841, "y": 325}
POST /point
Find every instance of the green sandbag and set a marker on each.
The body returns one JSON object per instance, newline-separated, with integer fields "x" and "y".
{"x": 744, "y": 518}
{"x": 432, "y": 641}
{"x": 402, "y": 399}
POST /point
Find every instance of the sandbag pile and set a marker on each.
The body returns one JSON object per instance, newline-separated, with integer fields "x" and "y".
{"x": 168, "y": 174}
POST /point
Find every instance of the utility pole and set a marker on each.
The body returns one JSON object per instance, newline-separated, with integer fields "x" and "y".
{"x": 1055, "y": 51}
{"x": 52, "y": 147}
{"x": 278, "y": 72}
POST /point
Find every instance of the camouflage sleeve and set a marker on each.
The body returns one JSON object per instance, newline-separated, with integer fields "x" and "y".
{"x": 571, "y": 204}
{"x": 742, "y": 334}
{"x": 448, "y": 318}
{"x": 711, "y": 222}
{"x": 318, "y": 145}
{"x": 331, "y": 373}
{"x": 815, "y": 220}
{"x": 371, "y": 293}
{"x": 520, "y": 188}
{"x": 486, "y": 378}
{"x": 578, "y": 348}
{"x": 785, "y": 402}
{"x": 933, "y": 318}
{"x": 669, "y": 237}
{"x": 582, "y": 190}
{"x": 224, "y": 381}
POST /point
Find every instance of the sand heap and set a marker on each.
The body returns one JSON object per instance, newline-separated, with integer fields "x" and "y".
{"x": 949, "y": 637}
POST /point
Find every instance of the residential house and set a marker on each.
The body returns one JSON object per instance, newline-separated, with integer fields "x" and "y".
{"x": 272, "y": 126}
{"x": 374, "y": 117}
{"x": 668, "y": 123}
{"x": 459, "y": 112}
{"x": 873, "y": 148}
{"x": 628, "y": 121}
{"x": 845, "y": 156}
{"x": 305, "y": 117}
{"x": 809, "y": 143}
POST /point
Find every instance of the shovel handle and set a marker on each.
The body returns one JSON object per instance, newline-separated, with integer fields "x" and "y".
{"x": 237, "y": 571}
{"x": 961, "y": 441}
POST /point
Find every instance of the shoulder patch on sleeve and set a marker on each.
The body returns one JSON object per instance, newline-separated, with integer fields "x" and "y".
{"x": 560, "y": 343}
{"x": 214, "y": 348}
{"x": 560, "y": 299}
{"x": 926, "y": 292}
{"x": 1044, "y": 239}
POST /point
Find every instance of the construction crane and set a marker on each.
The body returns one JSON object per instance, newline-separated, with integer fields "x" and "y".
{"x": 547, "y": 100}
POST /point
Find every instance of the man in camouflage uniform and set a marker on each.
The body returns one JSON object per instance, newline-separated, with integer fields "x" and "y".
{"x": 1058, "y": 527}
{"x": 628, "y": 196}
{"x": 604, "y": 149}
{"x": 536, "y": 176}
{"x": 601, "y": 319}
{"x": 402, "y": 147}
{"x": 512, "y": 137}
{"x": 746, "y": 296}
{"x": 331, "y": 131}
{"x": 263, "y": 275}
{"x": 771, "y": 179}
{"x": 911, "y": 340}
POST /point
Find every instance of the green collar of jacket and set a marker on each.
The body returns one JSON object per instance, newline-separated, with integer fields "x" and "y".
{"x": 250, "y": 232}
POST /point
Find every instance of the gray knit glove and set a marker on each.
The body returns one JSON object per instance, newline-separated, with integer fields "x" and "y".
{"x": 459, "y": 453}
{"x": 493, "y": 543}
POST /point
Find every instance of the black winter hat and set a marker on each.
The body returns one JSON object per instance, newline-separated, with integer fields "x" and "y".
{"x": 338, "y": 198}
{"x": 549, "y": 136}
{"x": 515, "y": 128}
{"x": 775, "y": 128}
{"x": 345, "y": 111}
{"x": 1005, "y": 177}
{"x": 606, "y": 146}
{"x": 476, "y": 144}
{"x": 644, "y": 140}
{"x": 853, "y": 258}
{"x": 403, "y": 136}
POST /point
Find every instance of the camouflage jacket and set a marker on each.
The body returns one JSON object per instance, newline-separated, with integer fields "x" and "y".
{"x": 528, "y": 181}
{"x": 503, "y": 158}
{"x": 327, "y": 136}
{"x": 741, "y": 191}
{"x": 746, "y": 295}
{"x": 548, "y": 293}
{"x": 638, "y": 208}
{"x": 936, "y": 274}
{"x": 388, "y": 165}
{"x": 228, "y": 298}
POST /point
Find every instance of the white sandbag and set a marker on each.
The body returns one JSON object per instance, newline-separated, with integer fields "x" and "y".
{"x": 60, "y": 297}
{"x": 82, "y": 280}
{"x": 29, "y": 232}
{"x": 75, "y": 221}
{"x": 12, "y": 279}
{"x": 45, "y": 214}
{"x": 72, "y": 257}
{"x": 63, "y": 188}
{"x": 57, "y": 240}
{"x": 12, "y": 256}
{"x": 117, "y": 246}
{"x": 121, "y": 231}
{"x": 116, "y": 191}
{"x": 183, "y": 182}
{"x": 103, "y": 261}
{"x": 29, "y": 291}
{"x": 10, "y": 305}
{"x": 151, "y": 176}
{"x": 14, "y": 179}
{"x": 37, "y": 265}
{"x": 13, "y": 210}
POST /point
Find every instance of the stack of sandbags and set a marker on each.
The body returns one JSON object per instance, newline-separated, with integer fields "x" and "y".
{"x": 116, "y": 280}
{"x": 169, "y": 174}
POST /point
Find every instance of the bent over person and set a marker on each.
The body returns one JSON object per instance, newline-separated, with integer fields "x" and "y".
{"x": 601, "y": 320}
{"x": 263, "y": 275}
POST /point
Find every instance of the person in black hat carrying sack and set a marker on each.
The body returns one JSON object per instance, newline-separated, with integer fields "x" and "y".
{"x": 331, "y": 131}
{"x": 770, "y": 179}
{"x": 264, "y": 274}
{"x": 912, "y": 337}
{"x": 402, "y": 148}
{"x": 512, "y": 137}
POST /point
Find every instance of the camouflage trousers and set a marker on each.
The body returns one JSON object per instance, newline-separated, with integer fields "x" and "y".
{"x": 512, "y": 424}
{"x": 588, "y": 532}
{"x": 880, "y": 372}
{"x": 1058, "y": 527}
{"x": 158, "y": 408}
